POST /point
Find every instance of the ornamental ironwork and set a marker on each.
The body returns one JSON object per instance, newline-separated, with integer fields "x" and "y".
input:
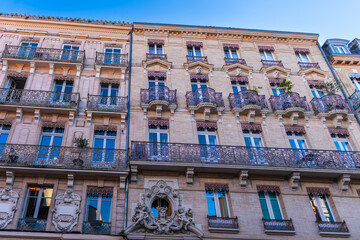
{"x": 158, "y": 93}
{"x": 243, "y": 98}
{"x": 107, "y": 103}
{"x": 39, "y": 98}
{"x": 272, "y": 63}
{"x": 44, "y": 54}
{"x": 222, "y": 222}
{"x": 278, "y": 225}
{"x": 153, "y": 55}
{"x": 355, "y": 99}
{"x": 288, "y": 100}
{"x": 196, "y": 58}
{"x": 309, "y": 65}
{"x": 241, "y": 155}
{"x": 113, "y": 59}
{"x": 31, "y": 225}
{"x": 62, "y": 157}
{"x": 329, "y": 103}
{"x": 201, "y": 95}
{"x": 96, "y": 227}
{"x": 333, "y": 227}
{"x": 235, "y": 60}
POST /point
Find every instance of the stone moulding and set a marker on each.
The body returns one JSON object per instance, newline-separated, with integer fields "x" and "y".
{"x": 180, "y": 220}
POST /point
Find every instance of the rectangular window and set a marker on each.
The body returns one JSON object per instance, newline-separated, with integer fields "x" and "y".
{"x": 208, "y": 141}
{"x": 276, "y": 90}
{"x": 37, "y": 203}
{"x": 341, "y": 142}
{"x": 156, "y": 81}
{"x": 252, "y": 138}
{"x": 340, "y": 49}
{"x": 104, "y": 145}
{"x": 266, "y": 55}
{"x": 70, "y": 52}
{"x": 270, "y": 206}
{"x": 230, "y": 53}
{"x": 356, "y": 83}
{"x": 112, "y": 56}
{"x": 297, "y": 140}
{"x": 321, "y": 207}
{"x": 4, "y": 134}
{"x": 27, "y": 49}
{"x": 317, "y": 92}
{"x": 194, "y": 51}
{"x": 109, "y": 94}
{"x": 238, "y": 86}
{"x": 158, "y": 137}
{"x": 155, "y": 48}
{"x": 217, "y": 203}
{"x": 302, "y": 57}
{"x": 62, "y": 91}
{"x": 196, "y": 84}
{"x": 50, "y": 145}
{"x": 98, "y": 206}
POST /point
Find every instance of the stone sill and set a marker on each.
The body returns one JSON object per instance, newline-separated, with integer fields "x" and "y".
{"x": 335, "y": 234}
{"x": 280, "y": 232}
{"x": 224, "y": 230}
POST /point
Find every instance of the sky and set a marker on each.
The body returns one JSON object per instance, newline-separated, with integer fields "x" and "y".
{"x": 330, "y": 19}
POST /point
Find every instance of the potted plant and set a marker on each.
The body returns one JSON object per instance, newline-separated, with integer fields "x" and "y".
{"x": 80, "y": 143}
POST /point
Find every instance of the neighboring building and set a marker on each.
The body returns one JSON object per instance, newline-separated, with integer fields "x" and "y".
{"x": 246, "y": 164}
{"x": 62, "y": 79}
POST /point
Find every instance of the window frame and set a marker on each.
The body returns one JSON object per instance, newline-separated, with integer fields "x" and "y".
{"x": 269, "y": 206}
{"x": 302, "y": 57}
{"x": 356, "y": 83}
{"x": 253, "y": 135}
{"x": 217, "y": 203}
{"x": 266, "y": 54}
{"x": 158, "y": 131}
{"x": 99, "y": 203}
{"x": 157, "y": 81}
{"x": 38, "y": 201}
{"x": 336, "y": 138}
{"x": 321, "y": 212}
{"x": 238, "y": 85}
{"x": 198, "y": 83}
{"x": 193, "y": 49}
{"x": 105, "y": 137}
{"x": 317, "y": 92}
{"x": 230, "y": 50}
{"x": 276, "y": 89}
{"x": 206, "y": 132}
{"x": 156, "y": 47}
{"x": 52, "y": 135}
{"x": 296, "y": 138}
{"x": 339, "y": 47}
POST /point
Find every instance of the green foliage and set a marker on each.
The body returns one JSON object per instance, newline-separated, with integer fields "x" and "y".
{"x": 256, "y": 89}
{"x": 331, "y": 87}
{"x": 81, "y": 142}
{"x": 286, "y": 86}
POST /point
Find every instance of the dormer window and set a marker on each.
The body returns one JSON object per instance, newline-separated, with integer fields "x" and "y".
{"x": 339, "y": 49}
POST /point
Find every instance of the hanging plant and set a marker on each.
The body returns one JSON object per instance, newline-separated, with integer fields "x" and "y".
{"x": 81, "y": 142}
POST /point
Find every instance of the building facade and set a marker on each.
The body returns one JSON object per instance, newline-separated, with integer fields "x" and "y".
{"x": 112, "y": 130}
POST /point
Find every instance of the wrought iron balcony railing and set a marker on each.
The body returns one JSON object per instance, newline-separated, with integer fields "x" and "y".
{"x": 243, "y": 98}
{"x": 278, "y": 225}
{"x": 335, "y": 227}
{"x": 153, "y": 55}
{"x": 271, "y": 63}
{"x": 241, "y": 155}
{"x": 355, "y": 99}
{"x": 114, "y": 59}
{"x": 44, "y": 54}
{"x": 220, "y": 222}
{"x": 96, "y": 227}
{"x": 39, "y": 98}
{"x": 107, "y": 103}
{"x": 62, "y": 157}
{"x": 309, "y": 65}
{"x": 289, "y": 100}
{"x": 202, "y": 95}
{"x": 31, "y": 225}
{"x": 196, "y": 58}
{"x": 235, "y": 60}
{"x": 329, "y": 103}
{"x": 158, "y": 93}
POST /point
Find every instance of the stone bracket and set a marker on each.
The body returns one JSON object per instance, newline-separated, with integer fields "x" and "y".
{"x": 5, "y": 65}
{"x": 337, "y": 120}
{"x": 134, "y": 171}
{"x": 294, "y": 118}
{"x": 37, "y": 115}
{"x": 19, "y": 114}
{"x": 172, "y": 112}
{"x": 78, "y": 70}
{"x": 98, "y": 71}
{"x": 243, "y": 178}
{"x": 123, "y": 121}
{"x": 70, "y": 182}
{"x": 190, "y": 175}
{"x": 251, "y": 116}
{"x": 88, "y": 118}
{"x": 158, "y": 111}
{"x": 344, "y": 182}
{"x": 280, "y": 118}
{"x": 207, "y": 114}
{"x": 32, "y": 67}
{"x": 71, "y": 117}
{"x": 294, "y": 180}
{"x": 10, "y": 176}
{"x": 122, "y": 184}
{"x": 51, "y": 68}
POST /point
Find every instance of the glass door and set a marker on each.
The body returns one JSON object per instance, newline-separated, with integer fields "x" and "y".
{"x": 208, "y": 141}
{"x": 112, "y": 56}
{"x": 108, "y": 94}
{"x": 27, "y": 50}
{"x": 50, "y": 146}
{"x": 70, "y": 52}
{"x": 62, "y": 91}
{"x": 158, "y": 138}
{"x": 104, "y": 145}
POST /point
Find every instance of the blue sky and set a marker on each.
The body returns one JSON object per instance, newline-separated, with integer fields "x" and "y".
{"x": 331, "y": 18}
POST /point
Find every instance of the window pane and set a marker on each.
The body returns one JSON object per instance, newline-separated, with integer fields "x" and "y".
{"x": 210, "y": 203}
{"x": 227, "y": 53}
{"x": 263, "y": 205}
{"x": 212, "y": 139}
{"x": 151, "y": 48}
{"x": 292, "y": 144}
{"x": 153, "y": 137}
{"x": 275, "y": 205}
{"x": 99, "y": 143}
{"x": 223, "y": 204}
{"x": 202, "y": 139}
{"x": 248, "y": 142}
{"x": 197, "y": 51}
{"x": 159, "y": 49}
{"x": 163, "y": 137}
{"x": 190, "y": 51}
{"x": 257, "y": 142}
{"x": 262, "y": 55}
{"x": 325, "y": 208}
{"x": 92, "y": 203}
{"x": 234, "y": 53}
{"x": 105, "y": 208}
{"x": 298, "y": 57}
{"x": 3, "y": 138}
{"x": 315, "y": 208}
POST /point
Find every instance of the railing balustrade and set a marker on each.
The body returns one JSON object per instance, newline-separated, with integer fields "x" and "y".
{"x": 221, "y": 222}
{"x": 107, "y": 103}
{"x": 272, "y": 63}
{"x": 333, "y": 227}
{"x": 243, "y": 98}
{"x": 114, "y": 59}
{"x": 288, "y": 100}
{"x": 309, "y": 65}
{"x": 96, "y": 227}
{"x": 278, "y": 225}
{"x": 201, "y": 95}
{"x": 355, "y": 98}
{"x": 153, "y": 55}
{"x": 196, "y": 58}
{"x": 31, "y": 225}
{"x": 235, "y": 60}
{"x": 328, "y": 103}
{"x": 158, "y": 93}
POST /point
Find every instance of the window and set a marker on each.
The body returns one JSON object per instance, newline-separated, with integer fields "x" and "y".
{"x": 196, "y": 84}
{"x": 207, "y": 136}
{"x": 109, "y": 94}
{"x": 302, "y": 57}
{"x": 4, "y": 134}
{"x": 98, "y": 205}
{"x": 339, "y": 49}
{"x": 270, "y": 206}
{"x": 266, "y": 55}
{"x": 156, "y": 81}
{"x": 112, "y": 55}
{"x": 37, "y": 204}
{"x": 321, "y": 207}
{"x": 70, "y": 52}
{"x": 276, "y": 90}
{"x": 160, "y": 203}
{"x": 230, "y": 53}
{"x": 62, "y": 91}
{"x": 104, "y": 145}
{"x": 217, "y": 203}
{"x": 341, "y": 142}
{"x": 356, "y": 83}
{"x": 317, "y": 92}
{"x": 252, "y": 138}
{"x": 50, "y": 144}
{"x": 238, "y": 86}
{"x": 194, "y": 51}
{"x": 297, "y": 140}
{"x": 27, "y": 49}
{"x": 156, "y": 49}
{"x": 157, "y": 136}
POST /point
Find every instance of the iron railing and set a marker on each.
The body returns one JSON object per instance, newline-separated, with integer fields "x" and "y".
{"x": 39, "y": 98}
{"x": 328, "y": 103}
{"x": 235, "y": 60}
{"x": 114, "y": 59}
{"x": 201, "y": 95}
{"x": 243, "y": 98}
{"x": 196, "y": 58}
{"x": 221, "y": 222}
{"x": 31, "y": 225}
{"x": 241, "y": 155}
{"x": 107, "y": 103}
{"x": 158, "y": 93}
{"x": 355, "y": 99}
{"x": 153, "y": 55}
{"x": 288, "y": 100}
{"x": 309, "y": 65}
{"x": 44, "y": 54}
{"x": 62, "y": 157}
{"x": 278, "y": 225}
{"x": 333, "y": 227}
{"x": 96, "y": 227}
{"x": 272, "y": 63}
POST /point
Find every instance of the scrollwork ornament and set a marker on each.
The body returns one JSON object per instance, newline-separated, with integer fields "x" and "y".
{"x": 8, "y": 202}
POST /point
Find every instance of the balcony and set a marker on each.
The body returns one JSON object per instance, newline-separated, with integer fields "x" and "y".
{"x": 267, "y": 63}
{"x": 37, "y": 98}
{"x": 247, "y": 100}
{"x": 107, "y": 103}
{"x": 355, "y": 99}
{"x": 283, "y": 227}
{"x": 17, "y": 155}
{"x": 158, "y": 56}
{"x": 305, "y": 65}
{"x": 240, "y": 156}
{"x": 220, "y": 224}
{"x": 111, "y": 59}
{"x": 96, "y": 227}
{"x": 235, "y": 60}
{"x": 330, "y": 105}
{"x": 157, "y": 97}
{"x": 196, "y": 58}
{"x": 290, "y": 104}
{"x": 43, "y": 54}
{"x": 31, "y": 225}
{"x": 332, "y": 229}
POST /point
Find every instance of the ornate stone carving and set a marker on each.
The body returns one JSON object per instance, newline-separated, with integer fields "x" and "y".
{"x": 276, "y": 74}
{"x": 238, "y": 72}
{"x": 180, "y": 220}
{"x": 198, "y": 70}
{"x": 8, "y": 201}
